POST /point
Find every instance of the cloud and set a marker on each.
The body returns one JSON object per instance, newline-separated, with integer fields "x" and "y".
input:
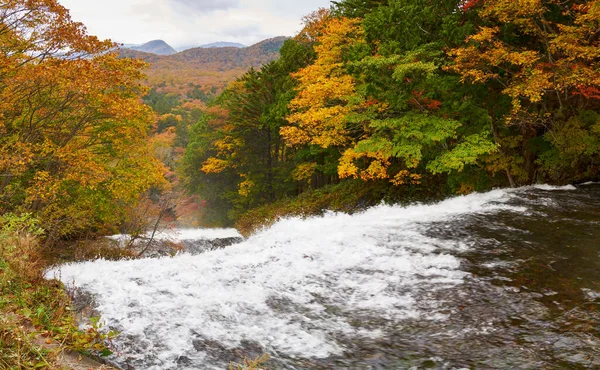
{"x": 204, "y": 5}
{"x": 191, "y": 22}
{"x": 240, "y": 32}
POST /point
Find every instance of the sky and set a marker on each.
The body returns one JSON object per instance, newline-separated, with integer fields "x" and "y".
{"x": 184, "y": 23}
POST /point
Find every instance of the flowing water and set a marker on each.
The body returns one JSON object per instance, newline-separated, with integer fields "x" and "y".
{"x": 508, "y": 279}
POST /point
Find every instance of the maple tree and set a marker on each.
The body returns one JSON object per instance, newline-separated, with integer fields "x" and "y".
{"x": 326, "y": 94}
{"x": 544, "y": 56}
{"x": 73, "y": 147}
{"x": 326, "y": 98}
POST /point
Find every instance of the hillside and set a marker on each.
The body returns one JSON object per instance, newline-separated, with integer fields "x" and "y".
{"x": 228, "y": 57}
{"x": 223, "y": 44}
{"x": 158, "y": 47}
{"x": 205, "y": 68}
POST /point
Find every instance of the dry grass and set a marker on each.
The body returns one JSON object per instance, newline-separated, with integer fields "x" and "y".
{"x": 32, "y": 307}
{"x": 256, "y": 364}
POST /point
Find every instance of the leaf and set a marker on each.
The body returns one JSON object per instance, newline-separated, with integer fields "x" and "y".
{"x": 106, "y": 352}
{"x": 27, "y": 312}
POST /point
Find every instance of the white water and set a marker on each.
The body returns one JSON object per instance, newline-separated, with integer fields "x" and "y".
{"x": 293, "y": 289}
{"x": 178, "y": 235}
{"x": 552, "y": 187}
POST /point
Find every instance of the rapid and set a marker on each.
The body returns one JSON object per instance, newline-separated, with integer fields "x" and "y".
{"x": 504, "y": 279}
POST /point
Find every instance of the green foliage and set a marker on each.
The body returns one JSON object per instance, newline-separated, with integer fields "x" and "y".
{"x": 467, "y": 152}
{"x": 11, "y": 225}
{"x": 236, "y": 159}
{"x": 161, "y": 103}
{"x": 216, "y": 189}
{"x": 411, "y": 135}
{"x": 459, "y": 96}
{"x": 575, "y": 151}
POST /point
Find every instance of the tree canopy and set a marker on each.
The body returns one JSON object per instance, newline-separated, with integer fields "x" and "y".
{"x": 73, "y": 148}
{"x": 458, "y": 95}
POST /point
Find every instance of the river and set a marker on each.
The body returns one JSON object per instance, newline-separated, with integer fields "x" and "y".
{"x": 508, "y": 279}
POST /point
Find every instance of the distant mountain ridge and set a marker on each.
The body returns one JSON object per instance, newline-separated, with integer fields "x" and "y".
{"x": 226, "y": 57}
{"x": 202, "y": 68}
{"x": 223, "y": 44}
{"x": 158, "y": 47}
{"x": 218, "y": 44}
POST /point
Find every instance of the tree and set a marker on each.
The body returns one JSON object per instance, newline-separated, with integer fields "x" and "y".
{"x": 73, "y": 147}
{"x": 326, "y": 93}
{"x": 377, "y": 93}
{"x": 236, "y": 158}
{"x": 544, "y": 56}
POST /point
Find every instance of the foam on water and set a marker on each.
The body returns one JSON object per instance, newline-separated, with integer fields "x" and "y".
{"x": 178, "y": 235}
{"x": 552, "y": 187}
{"x": 293, "y": 289}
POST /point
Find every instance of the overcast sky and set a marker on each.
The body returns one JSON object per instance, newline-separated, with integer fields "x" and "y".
{"x": 191, "y": 22}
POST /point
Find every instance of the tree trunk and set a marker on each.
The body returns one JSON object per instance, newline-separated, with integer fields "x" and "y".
{"x": 509, "y": 176}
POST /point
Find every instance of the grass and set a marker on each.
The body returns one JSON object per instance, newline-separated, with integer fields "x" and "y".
{"x": 18, "y": 349}
{"x": 32, "y": 307}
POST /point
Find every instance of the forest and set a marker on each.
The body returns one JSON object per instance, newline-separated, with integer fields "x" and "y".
{"x": 374, "y": 100}
{"x": 405, "y": 100}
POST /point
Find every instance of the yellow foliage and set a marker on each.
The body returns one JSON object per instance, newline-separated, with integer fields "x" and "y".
{"x": 561, "y": 60}
{"x": 245, "y": 187}
{"x": 377, "y": 168}
{"x": 326, "y": 94}
{"x": 404, "y": 177}
{"x": 304, "y": 171}
{"x": 73, "y": 133}
{"x": 214, "y": 165}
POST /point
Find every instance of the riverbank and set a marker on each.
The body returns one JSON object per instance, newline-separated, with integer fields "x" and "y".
{"x": 40, "y": 318}
{"x": 459, "y": 283}
{"x": 37, "y": 326}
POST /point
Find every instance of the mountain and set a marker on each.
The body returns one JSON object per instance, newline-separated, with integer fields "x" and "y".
{"x": 222, "y": 59}
{"x": 223, "y": 44}
{"x": 219, "y": 44}
{"x": 158, "y": 47}
{"x": 215, "y": 67}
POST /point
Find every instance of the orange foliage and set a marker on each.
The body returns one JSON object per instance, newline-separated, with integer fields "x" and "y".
{"x": 561, "y": 61}
{"x": 72, "y": 129}
{"x": 326, "y": 94}
{"x": 314, "y": 25}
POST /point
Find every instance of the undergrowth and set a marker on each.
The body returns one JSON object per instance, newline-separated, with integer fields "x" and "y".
{"x": 31, "y": 307}
{"x": 256, "y": 364}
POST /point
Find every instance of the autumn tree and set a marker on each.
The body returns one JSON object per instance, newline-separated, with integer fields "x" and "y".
{"x": 544, "y": 57}
{"x": 73, "y": 147}
{"x": 374, "y": 93}
{"x": 326, "y": 98}
{"x": 448, "y": 96}
{"x": 237, "y": 150}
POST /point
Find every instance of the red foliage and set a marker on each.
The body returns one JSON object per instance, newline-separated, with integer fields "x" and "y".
{"x": 425, "y": 102}
{"x": 583, "y": 8}
{"x": 433, "y": 104}
{"x": 469, "y": 4}
{"x": 589, "y": 92}
{"x": 371, "y": 102}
